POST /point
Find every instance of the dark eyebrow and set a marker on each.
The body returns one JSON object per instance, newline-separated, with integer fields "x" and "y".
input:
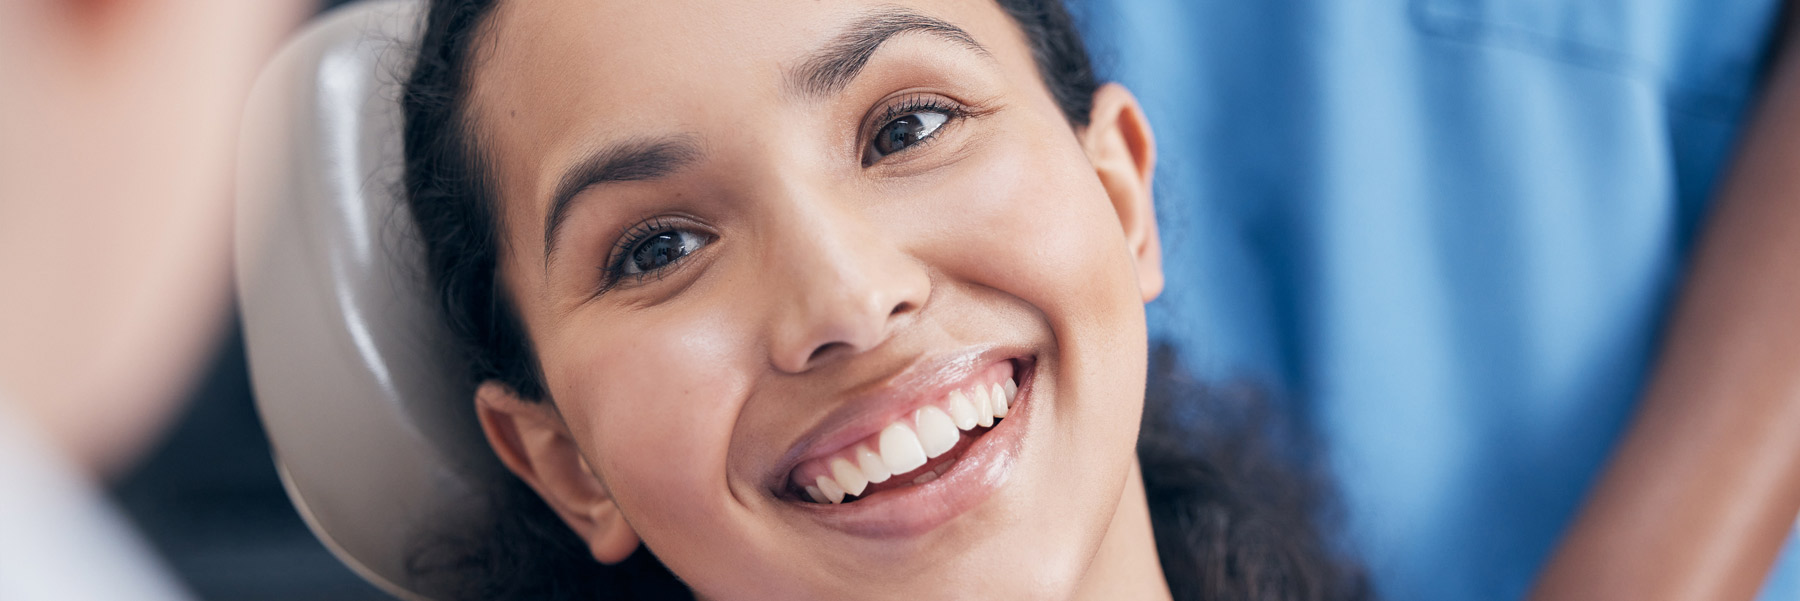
{"x": 828, "y": 70}
{"x": 627, "y": 161}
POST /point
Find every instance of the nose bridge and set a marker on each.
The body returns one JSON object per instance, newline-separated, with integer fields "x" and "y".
{"x": 843, "y": 282}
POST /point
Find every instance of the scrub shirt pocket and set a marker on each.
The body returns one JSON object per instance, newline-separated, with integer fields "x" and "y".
{"x": 1601, "y": 34}
{"x": 1703, "y": 56}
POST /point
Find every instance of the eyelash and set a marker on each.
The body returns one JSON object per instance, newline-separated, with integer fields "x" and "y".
{"x": 614, "y": 272}
{"x": 916, "y": 103}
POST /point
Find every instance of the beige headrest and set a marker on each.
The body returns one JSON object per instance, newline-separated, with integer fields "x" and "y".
{"x": 355, "y": 377}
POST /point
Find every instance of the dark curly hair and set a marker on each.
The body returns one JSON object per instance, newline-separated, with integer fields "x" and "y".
{"x": 1236, "y": 516}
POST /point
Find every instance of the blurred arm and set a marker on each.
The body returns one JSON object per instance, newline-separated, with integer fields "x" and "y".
{"x": 1704, "y": 489}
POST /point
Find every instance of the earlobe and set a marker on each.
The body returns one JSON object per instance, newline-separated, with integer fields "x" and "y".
{"x": 534, "y": 443}
{"x": 1122, "y": 150}
{"x": 613, "y": 538}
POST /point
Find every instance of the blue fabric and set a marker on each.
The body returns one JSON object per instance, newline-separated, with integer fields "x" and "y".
{"x": 1447, "y": 230}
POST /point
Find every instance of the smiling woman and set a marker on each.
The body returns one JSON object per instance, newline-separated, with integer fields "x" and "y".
{"x": 853, "y": 311}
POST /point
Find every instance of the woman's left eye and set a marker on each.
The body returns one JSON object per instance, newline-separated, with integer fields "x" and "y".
{"x": 905, "y": 131}
{"x": 658, "y": 250}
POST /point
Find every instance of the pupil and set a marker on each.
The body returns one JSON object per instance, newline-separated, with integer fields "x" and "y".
{"x": 900, "y": 133}
{"x": 661, "y": 249}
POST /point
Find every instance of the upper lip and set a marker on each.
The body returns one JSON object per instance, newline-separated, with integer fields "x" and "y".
{"x": 886, "y": 400}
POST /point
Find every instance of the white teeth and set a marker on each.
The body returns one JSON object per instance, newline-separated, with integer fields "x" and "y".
{"x": 900, "y": 450}
{"x": 937, "y": 433}
{"x": 831, "y": 490}
{"x": 984, "y": 408}
{"x": 848, "y": 477}
{"x": 961, "y": 411}
{"x": 870, "y": 464}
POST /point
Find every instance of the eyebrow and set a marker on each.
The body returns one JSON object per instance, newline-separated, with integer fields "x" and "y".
{"x": 822, "y": 73}
{"x": 626, "y": 161}
{"x": 833, "y": 67}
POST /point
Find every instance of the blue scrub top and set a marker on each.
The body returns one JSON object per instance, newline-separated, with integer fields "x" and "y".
{"x": 1447, "y": 230}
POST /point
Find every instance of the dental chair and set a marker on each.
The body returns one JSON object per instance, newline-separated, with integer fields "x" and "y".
{"x": 372, "y": 425}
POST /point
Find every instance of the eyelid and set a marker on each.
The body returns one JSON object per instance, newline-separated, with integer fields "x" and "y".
{"x": 907, "y": 104}
{"x": 612, "y": 271}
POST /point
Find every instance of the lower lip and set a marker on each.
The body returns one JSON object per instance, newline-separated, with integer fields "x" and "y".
{"x": 906, "y": 512}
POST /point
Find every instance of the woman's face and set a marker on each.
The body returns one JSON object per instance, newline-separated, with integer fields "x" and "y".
{"x": 751, "y": 239}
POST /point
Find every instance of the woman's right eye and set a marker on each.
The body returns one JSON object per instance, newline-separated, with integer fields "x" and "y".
{"x": 649, "y": 248}
{"x": 658, "y": 250}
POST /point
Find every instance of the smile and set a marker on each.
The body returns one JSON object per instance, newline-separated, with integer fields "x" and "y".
{"x": 943, "y": 451}
{"x": 915, "y": 449}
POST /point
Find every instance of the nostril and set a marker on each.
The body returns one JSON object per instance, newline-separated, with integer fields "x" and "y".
{"x": 904, "y": 307}
{"x": 824, "y": 350}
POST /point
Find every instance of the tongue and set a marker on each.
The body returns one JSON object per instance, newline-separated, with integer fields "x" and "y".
{"x": 905, "y": 480}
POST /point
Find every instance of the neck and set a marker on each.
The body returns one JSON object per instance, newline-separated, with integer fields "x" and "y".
{"x": 1126, "y": 565}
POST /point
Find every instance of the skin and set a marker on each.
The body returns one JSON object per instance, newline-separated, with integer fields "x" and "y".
{"x": 1705, "y": 488}
{"x": 675, "y": 395}
{"x": 120, "y": 123}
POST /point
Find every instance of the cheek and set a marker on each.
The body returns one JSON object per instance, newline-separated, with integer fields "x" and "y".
{"x": 651, "y": 402}
{"x": 1035, "y": 225}
{"x": 1033, "y": 222}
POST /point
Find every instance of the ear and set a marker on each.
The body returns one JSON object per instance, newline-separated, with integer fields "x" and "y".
{"x": 1123, "y": 151}
{"x": 533, "y": 442}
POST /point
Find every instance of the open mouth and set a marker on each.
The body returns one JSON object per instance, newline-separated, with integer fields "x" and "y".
{"x": 917, "y": 448}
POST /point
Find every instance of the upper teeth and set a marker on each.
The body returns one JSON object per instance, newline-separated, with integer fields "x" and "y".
{"x": 907, "y": 443}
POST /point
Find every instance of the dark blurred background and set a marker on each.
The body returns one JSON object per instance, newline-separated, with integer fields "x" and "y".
{"x": 209, "y": 500}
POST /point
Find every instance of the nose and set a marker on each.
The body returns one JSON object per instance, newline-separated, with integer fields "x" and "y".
{"x": 848, "y": 284}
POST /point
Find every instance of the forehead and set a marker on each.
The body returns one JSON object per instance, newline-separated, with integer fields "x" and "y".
{"x": 610, "y": 50}
{"x": 554, "y": 77}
